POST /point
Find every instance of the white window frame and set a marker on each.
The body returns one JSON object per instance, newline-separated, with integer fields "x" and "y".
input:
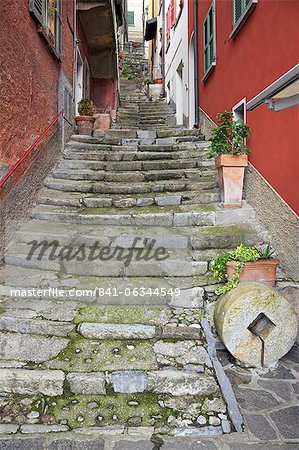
{"x": 243, "y": 103}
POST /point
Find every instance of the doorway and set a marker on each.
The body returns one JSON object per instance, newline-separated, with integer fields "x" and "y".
{"x": 79, "y": 80}
{"x": 179, "y": 97}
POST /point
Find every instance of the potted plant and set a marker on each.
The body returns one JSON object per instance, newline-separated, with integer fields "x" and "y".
{"x": 244, "y": 264}
{"x": 85, "y": 119}
{"x": 228, "y": 147}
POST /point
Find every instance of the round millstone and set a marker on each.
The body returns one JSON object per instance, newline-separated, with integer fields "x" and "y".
{"x": 256, "y": 324}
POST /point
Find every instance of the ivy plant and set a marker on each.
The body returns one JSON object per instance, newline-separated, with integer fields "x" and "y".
{"x": 242, "y": 254}
{"x": 228, "y": 137}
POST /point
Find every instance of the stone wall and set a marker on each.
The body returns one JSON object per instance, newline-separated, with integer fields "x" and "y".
{"x": 280, "y": 220}
{"x": 206, "y": 124}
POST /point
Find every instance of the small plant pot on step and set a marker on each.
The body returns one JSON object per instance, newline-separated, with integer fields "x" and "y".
{"x": 231, "y": 177}
{"x": 263, "y": 270}
{"x": 85, "y": 124}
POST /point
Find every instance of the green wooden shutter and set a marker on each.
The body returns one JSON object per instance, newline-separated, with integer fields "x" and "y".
{"x": 209, "y": 39}
{"x": 238, "y": 8}
{"x": 131, "y": 18}
{"x": 37, "y": 9}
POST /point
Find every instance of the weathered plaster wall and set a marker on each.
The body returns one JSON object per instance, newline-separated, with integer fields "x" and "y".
{"x": 280, "y": 220}
{"x": 17, "y": 201}
{"x": 29, "y": 78}
{"x": 103, "y": 93}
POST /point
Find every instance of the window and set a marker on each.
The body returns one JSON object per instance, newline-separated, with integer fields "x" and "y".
{"x": 239, "y": 110}
{"x": 241, "y": 10}
{"x": 48, "y": 15}
{"x": 131, "y": 18}
{"x": 209, "y": 41}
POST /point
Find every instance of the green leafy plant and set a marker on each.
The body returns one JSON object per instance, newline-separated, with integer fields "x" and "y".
{"x": 242, "y": 254}
{"x": 228, "y": 137}
{"x": 86, "y": 107}
{"x": 130, "y": 71}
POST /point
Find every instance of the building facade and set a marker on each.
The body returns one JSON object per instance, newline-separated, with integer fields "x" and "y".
{"x": 135, "y": 20}
{"x": 169, "y": 52}
{"x": 245, "y": 47}
{"x": 53, "y": 53}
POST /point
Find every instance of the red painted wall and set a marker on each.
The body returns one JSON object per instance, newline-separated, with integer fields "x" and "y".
{"x": 103, "y": 93}
{"x": 29, "y": 75}
{"x": 265, "y": 48}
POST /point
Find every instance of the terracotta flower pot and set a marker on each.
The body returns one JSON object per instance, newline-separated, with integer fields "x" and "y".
{"x": 85, "y": 124}
{"x": 263, "y": 270}
{"x": 159, "y": 81}
{"x": 231, "y": 177}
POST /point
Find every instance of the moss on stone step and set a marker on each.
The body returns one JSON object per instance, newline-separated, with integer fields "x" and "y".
{"x": 112, "y": 409}
{"x": 84, "y": 355}
{"x": 123, "y": 315}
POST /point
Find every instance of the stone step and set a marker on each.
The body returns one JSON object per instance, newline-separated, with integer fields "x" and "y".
{"x": 135, "y": 164}
{"x": 62, "y": 198}
{"x": 201, "y": 237}
{"x": 108, "y": 144}
{"x": 20, "y": 281}
{"x": 116, "y": 157}
{"x": 172, "y": 238}
{"x": 173, "y": 216}
{"x": 143, "y": 187}
{"x": 114, "y": 267}
{"x": 142, "y": 175}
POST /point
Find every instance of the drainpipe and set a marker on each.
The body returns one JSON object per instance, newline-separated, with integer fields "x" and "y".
{"x": 196, "y": 75}
{"x": 75, "y": 52}
{"x": 153, "y": 45}
{"x": 163, "y": 48}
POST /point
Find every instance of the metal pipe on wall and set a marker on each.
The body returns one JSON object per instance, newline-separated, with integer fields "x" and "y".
{"x": 196, "y": 74}
{"x": 163, "y": 48}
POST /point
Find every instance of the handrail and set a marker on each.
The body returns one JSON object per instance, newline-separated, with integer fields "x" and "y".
{"x": 41, "y": 136}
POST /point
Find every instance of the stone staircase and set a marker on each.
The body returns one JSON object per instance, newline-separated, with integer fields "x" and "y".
{"x": 112, "y": 342}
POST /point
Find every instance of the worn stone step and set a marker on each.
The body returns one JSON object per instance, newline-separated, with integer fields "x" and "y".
{"x": 116, "y": 291}
{"x": 141, "y": 175}
{"x": 177, "y": 268}
{"x": 95, "y": 158}
{"x": 157, "y": 187}
{"x": 129, "y": 165}
{"x": 118, "y": 235}
{"x": 62, "y": 198}
{"x": 202, "y": 236}
{"x": 177, "y": 216}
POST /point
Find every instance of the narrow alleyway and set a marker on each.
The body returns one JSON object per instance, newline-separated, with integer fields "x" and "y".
{"x": 110, "y": 347}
